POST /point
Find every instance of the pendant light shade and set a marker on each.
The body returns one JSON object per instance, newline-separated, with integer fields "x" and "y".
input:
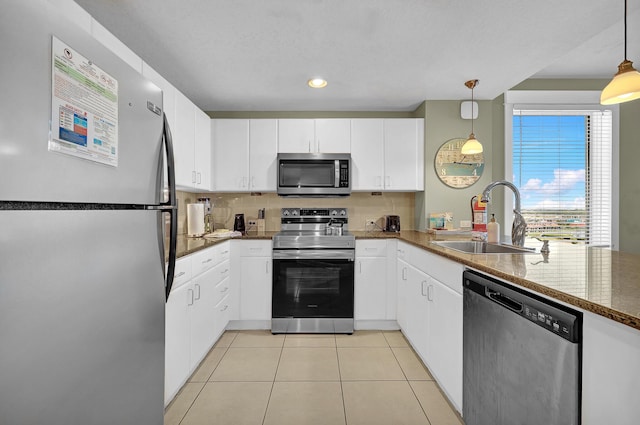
{"x": 471, "y": 146}
{"x": 625, "y": 85}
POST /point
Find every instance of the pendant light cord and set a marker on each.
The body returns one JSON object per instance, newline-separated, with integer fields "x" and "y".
{"x": 625, "y": 30}
{"x": 472, "y": 108}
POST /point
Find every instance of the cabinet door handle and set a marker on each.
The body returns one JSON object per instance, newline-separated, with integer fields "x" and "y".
{"x": 197, "y": 286}
{"x": 378, "y": 181}
{"x": 226, "y": 288}
{"x": 224, "y": 271}
{"x": 360, "y": 265}
{"x": 387, "y": 181}
{"x": 244, "y": 181}
{"x": 253, "y": 181}
{"x": 207, "y": 261}
{"x": 404, "y": 273}
{"x": 178, "y": 275}
{"x": 190, "y": 292}
{"x": 225, "y": 252}
{"x": 422, "y": 285}
{"x": 193, "y": 176}
{"x": 309, "y": 146}
{"x": 225, "y": 307}
{"x": 266, "y": 268}
{"x": 430, "y": 292}
{"x": 199, "y": 178}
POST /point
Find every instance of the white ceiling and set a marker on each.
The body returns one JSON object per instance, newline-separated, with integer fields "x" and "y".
{"x": 256, "y": 55}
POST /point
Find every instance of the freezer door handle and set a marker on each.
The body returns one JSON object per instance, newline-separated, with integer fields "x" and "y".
{"x": 170, "y": 207}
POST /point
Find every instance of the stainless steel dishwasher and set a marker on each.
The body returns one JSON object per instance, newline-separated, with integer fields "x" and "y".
{"x": 521, "y": 356}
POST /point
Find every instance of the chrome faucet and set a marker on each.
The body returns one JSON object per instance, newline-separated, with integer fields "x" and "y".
{"x": 519, "y": 227}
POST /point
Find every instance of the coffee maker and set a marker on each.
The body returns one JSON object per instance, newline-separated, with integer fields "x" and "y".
{"x": 391, "y": 223}
{"x": 238, "y": 223}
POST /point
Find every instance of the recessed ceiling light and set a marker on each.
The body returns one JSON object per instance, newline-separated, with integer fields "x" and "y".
{"x": 317, "y": 83}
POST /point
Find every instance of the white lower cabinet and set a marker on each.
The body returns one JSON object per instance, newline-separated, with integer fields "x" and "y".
{"x": 375, "y": 284}
{"x": 254, "y": 279}
{"x": 177, "y": 344}
{"x": 430, "y": 314}
{"x": 195, "y": 313}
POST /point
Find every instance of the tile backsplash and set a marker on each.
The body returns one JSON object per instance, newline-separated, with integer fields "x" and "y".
{"x": 362, "y": 206}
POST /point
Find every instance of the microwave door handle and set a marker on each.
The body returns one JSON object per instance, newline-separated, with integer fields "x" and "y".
{"x": 336, "y": 181}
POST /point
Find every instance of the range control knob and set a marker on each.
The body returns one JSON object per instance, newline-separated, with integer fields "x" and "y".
{"x": 294, "y": 212}
{"x": 343, "y": 212}
{"x": 285, "y": 212}
{"x": 334, "y": 212}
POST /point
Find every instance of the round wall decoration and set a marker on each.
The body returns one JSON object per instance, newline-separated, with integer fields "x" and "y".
{"x": 455, "y": 169}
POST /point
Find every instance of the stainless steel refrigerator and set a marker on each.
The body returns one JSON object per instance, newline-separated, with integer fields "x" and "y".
{"x": 86, "y": 203}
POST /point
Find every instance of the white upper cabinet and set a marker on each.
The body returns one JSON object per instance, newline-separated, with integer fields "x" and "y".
{"x": 263, "y": 153}
{"x": 184, "y": 141}
{"x": 191, "y": 145}
{"x": 314, "y": 136}
{"x": 333, "y": 135}
{"x": 244, "y": 157}
{"x": 387, "y": 154}
{"x": 367, "y": 154}
{"x": 403, "y": 154}
{"x": 230, "y": 154}
{"x": 202, "y": 152}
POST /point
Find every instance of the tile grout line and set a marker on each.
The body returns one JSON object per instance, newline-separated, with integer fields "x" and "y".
{"x": 344, "y": 404}
{"x": 273, "y": 383}
{"x": 205, "y": 382}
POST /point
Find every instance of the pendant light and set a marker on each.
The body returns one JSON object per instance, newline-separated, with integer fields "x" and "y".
{"x": 471, "y": 146}
{"x": 625, "y": 85}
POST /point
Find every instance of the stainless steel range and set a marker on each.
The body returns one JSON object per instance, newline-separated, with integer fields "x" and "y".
{"x": 313, "y": 272}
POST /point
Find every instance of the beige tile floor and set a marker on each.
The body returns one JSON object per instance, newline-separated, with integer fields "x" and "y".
{"x": 254, "y": 377}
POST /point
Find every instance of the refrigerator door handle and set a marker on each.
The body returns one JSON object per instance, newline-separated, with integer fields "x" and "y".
{"x": 170, "y": 206}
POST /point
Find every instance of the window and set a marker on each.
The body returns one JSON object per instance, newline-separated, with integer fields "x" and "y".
{"x": 560, "y": 157}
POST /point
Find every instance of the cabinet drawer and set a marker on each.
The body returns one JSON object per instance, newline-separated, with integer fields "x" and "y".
{"x": 224, "y": 251}
{"x": 222, "y": 289}
{"x": 371, "y": 248}
{"x": 255, "y": 248}
{"x": 203, "y": 260}
{"x": 182, "y": 272}
{"x": 221, "y": 272}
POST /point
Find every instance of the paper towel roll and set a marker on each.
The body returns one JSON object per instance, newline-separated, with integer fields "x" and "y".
{"x": 195, "y": 220}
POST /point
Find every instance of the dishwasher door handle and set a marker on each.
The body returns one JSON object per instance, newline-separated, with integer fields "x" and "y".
{"x": 504, "y": 301}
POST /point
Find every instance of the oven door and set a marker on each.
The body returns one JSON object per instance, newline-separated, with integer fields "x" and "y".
{"x": 313, "y": 283}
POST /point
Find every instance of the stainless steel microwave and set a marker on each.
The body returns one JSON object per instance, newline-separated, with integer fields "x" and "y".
{"x": 314, "y": 174}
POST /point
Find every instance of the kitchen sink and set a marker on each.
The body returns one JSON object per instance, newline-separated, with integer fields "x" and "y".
{"x": 477, "y": 247}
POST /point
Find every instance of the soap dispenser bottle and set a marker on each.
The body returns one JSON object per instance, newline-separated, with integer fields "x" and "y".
{"x": 493, "y": 230}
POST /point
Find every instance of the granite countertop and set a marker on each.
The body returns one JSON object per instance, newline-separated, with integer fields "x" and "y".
{"x": 187, "y": 245}
{"x": 598, "y": 280}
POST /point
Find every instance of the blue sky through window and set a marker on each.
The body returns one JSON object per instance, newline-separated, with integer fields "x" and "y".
{"x": 549, "y": 161}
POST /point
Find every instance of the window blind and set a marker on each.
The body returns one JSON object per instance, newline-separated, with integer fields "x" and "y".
{"x": 562, "y": 166}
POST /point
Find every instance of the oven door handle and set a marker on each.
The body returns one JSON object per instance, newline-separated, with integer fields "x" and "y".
{"x": 314, "y": 254}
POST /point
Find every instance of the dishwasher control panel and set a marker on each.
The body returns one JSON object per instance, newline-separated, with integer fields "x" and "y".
{"x": 548, "y": 321}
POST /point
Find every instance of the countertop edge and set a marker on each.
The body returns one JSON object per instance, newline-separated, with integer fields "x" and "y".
{"x": 601, "y": 310}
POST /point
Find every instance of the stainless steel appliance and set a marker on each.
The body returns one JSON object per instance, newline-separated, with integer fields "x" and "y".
{"x": 82, "y": 246}
{"x": 314, "y": 174}
{"x": 313, "y": 272}
{"x": 238, "y": 223}
{"x": 522, "y": 356}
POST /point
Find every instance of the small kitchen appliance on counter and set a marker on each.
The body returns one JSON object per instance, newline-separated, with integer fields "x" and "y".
{"x": 391, "y": 223}
{"x": 238, "y": 223}
{"x": 313, "y": 272}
